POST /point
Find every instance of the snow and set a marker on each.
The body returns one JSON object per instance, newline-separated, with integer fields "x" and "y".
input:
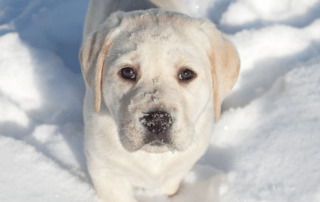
{"x": 249, "y": 11}
{"x": 265, "y": 147}
{"x": 285, "y": 124}
{"x": 31, "y": 176}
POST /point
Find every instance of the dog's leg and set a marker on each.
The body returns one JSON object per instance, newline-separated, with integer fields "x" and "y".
{"x": 171, "y": 184}
{"x": 112, "y": 188}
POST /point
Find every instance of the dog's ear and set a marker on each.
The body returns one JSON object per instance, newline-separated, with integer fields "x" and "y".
{"x": 92, "y": 57}
{"x": 93, "y": 53}
{"x": 225, "y": 64}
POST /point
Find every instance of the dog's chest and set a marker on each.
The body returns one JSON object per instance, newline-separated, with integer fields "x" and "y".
{"x": 147, "y": 170}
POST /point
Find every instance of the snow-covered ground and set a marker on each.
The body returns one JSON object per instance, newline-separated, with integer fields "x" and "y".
{"x": 265, "y": 147}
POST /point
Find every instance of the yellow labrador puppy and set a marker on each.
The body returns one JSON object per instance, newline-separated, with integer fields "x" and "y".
{"x": 155, "y": 79}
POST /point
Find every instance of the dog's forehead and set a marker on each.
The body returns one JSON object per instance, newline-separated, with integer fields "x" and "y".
{"x": 147, "y": 32}
{"x": 156, "y": 40}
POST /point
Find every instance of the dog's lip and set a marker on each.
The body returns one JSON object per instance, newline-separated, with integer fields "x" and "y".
{"x": 157, "y": 140}
{"x": 158, "y": 143}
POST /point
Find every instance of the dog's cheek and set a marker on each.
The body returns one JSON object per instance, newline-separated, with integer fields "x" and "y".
{"x": 182, "y": 139}
{"x": 113, "y": 92}
{"x": 195, "y": 99}
{"x": 182, "y": 131}
{"x": 131, "y": 136}
{"x": 129, "y": 127}
{"x": 199, "y": 96}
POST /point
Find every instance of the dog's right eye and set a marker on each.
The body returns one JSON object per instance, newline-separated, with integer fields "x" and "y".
{"x": 129, "y": 74}
{"x": 186, "y": 74}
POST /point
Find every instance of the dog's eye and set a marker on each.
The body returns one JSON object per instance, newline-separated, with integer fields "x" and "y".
{"x": 186, "y": 74}
{"x": 129, "y": 74}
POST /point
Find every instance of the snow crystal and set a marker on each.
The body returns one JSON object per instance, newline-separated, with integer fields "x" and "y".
{"x": 155, "y": 100}
{"x": 130, "y": 106}
{"x": 143, "y": 121}
{"x": 156, "y": 81}
{"x": 131, "y": 35}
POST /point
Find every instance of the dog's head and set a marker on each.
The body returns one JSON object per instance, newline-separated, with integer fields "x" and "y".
{"x": 157, "y": 72}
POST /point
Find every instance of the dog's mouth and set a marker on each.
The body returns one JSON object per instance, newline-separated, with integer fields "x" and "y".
{"x": 156, "y": 139}
{"x": 158, "y": 146}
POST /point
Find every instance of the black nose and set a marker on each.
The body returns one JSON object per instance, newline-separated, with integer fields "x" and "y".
{"x": 157, "y": 121}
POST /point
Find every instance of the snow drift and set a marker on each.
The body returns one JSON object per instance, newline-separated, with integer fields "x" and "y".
{"x": 264, "y": 148}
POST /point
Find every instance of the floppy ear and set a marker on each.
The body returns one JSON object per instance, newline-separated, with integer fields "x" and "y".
{"x": 225, "y": 64}
{"x": 92, "y": 57}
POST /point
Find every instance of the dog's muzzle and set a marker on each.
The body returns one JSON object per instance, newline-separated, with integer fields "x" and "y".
{"x": 158, "y": 125}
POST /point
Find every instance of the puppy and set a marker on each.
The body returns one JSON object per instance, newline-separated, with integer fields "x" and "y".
{"x": 155, "y": 80}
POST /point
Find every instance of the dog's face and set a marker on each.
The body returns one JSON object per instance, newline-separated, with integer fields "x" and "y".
{"x": 156, "y": 83}
{"x": 155, "y": 73}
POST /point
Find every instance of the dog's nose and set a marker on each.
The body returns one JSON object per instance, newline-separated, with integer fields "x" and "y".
{"x": 157, "y": 121}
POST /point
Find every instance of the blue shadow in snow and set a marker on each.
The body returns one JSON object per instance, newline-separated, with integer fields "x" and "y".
{"x": 265, "y": 73}
{"x": 296, "y": 21}
{"x": 54, "y": 26}
{"x": 51, "y": 27}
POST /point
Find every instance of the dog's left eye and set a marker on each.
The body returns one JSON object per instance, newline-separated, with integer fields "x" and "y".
{"x": 186, "y": 74}
{"x": 129, "y": 74}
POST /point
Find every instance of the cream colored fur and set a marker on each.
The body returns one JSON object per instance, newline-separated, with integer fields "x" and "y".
{"x": 158, "y": 43}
